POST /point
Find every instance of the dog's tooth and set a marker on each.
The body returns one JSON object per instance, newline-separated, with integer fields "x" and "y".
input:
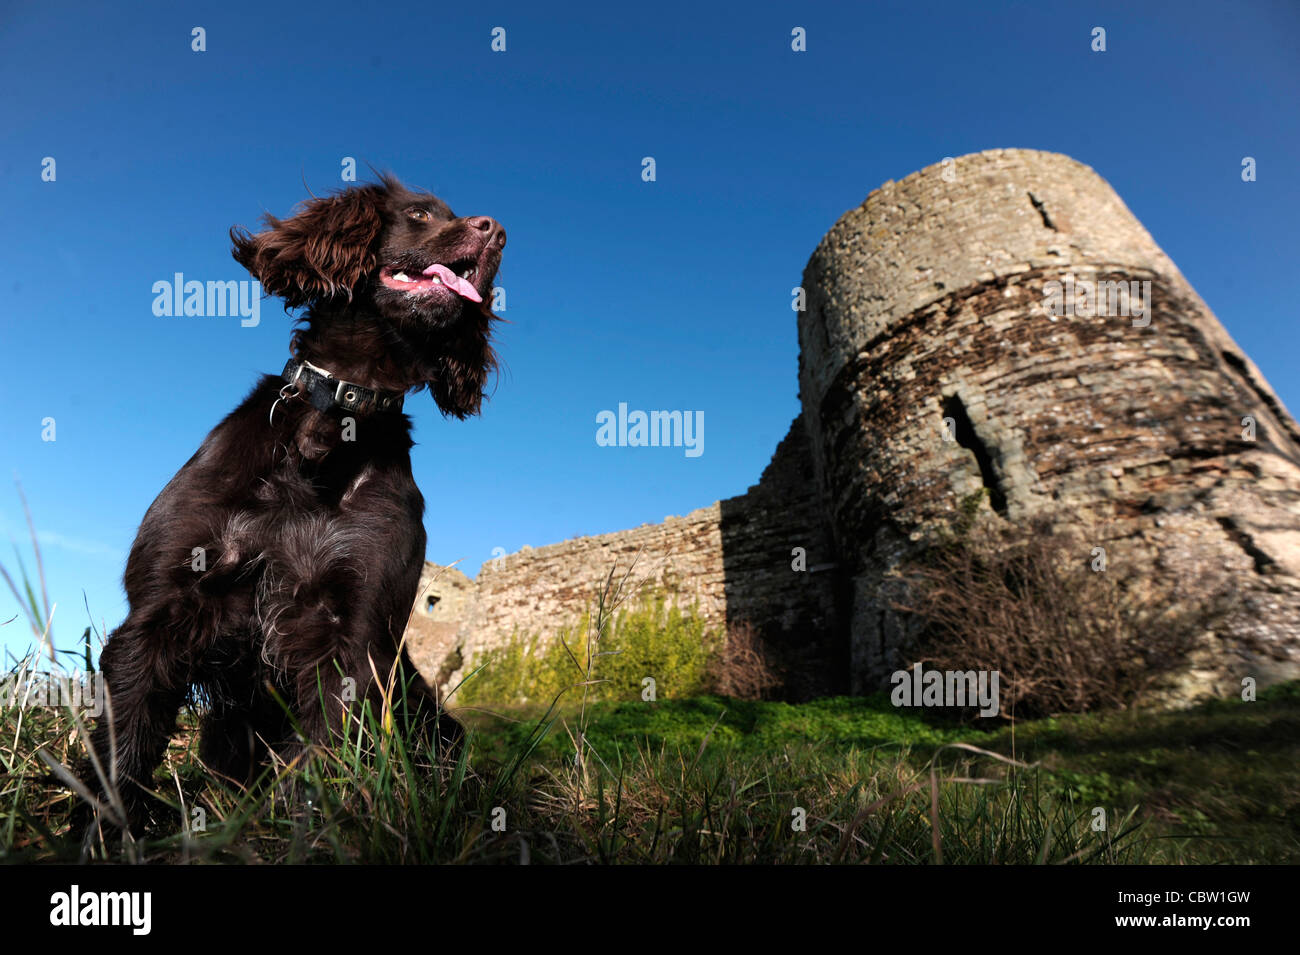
{"x": 437, "y": 280}
{"x": 401, "y": 276}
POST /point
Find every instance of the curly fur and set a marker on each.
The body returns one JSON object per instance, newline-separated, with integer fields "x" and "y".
{"x": 284, "y": 557}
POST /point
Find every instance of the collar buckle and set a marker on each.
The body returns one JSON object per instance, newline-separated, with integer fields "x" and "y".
{"x": 343, "y": 396}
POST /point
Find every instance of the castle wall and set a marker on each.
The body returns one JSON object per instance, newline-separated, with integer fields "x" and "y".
{"x": 928, "y": 302}
{"x": 732, "y": 561}
{"x": 932, "y": 369}
{"x": 538, "y": 591}
{"x": 777, "y": 526}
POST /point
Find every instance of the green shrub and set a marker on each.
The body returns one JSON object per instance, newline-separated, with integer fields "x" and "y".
{"x": 653, "y": 638}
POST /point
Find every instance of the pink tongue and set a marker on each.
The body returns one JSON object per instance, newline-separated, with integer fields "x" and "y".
{"x": 454, "y": 282}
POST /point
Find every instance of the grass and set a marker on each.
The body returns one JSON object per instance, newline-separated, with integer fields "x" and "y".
{"x": 1218, "y": 782}
{"x": 713, "y": 780}
{"x": 700, "y": 779}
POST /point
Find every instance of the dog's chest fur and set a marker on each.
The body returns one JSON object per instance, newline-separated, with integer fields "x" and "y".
{"x": 299, "y": 545}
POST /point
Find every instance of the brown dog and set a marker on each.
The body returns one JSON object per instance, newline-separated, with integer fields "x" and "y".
{"x": 283, "y": 559}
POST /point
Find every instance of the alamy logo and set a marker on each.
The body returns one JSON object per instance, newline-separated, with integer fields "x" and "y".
{"x": 917, "y": 687}
{"x": 1108, "y": 299}
{"x": 75, "y": 907}
{"x": 654, "y": 429}
{"x": 54, "y": 689}
{"x": 211, "y": 300}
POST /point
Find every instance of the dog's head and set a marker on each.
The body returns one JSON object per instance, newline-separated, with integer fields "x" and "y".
{"x": 400, "y": 255}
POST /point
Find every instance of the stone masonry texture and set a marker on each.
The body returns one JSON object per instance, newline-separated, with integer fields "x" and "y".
{"x": 731, "y": 561}
{"x": 929, "y": 302}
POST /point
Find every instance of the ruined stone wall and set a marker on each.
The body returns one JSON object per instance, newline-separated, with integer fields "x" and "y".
{"x": 781, "y": 573}
{"x": 538, "y": 591}
{"x": 732, "y": 561}
{"x": 442, "y": 604}
{"x": 927, "y": 302}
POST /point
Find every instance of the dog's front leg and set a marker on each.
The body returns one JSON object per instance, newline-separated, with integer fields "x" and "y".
{"x": 146, "y": 682}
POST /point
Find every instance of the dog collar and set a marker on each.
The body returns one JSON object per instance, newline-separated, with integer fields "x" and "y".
{"x": 327, "y": 393}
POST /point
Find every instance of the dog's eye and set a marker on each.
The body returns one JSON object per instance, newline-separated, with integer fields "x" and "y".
{"x": 419, "y": 215}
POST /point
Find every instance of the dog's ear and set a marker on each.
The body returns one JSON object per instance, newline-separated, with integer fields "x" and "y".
{"x": 323, "y": 250}
{"x": 464, "y": 363}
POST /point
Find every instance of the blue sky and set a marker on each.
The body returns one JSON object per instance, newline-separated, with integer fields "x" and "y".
{"x": 666, "y": 295}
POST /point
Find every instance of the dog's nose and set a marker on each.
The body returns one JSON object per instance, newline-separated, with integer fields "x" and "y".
{"x": 494, "y": 235}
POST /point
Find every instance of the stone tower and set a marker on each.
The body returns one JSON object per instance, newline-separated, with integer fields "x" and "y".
{"x": 1133, "y": 414}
